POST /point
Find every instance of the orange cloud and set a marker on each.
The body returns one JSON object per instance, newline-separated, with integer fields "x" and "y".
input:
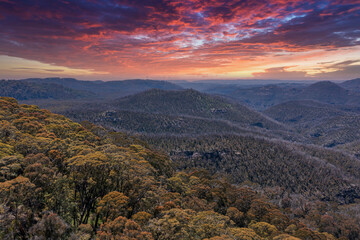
{"x": 179, "y": 38}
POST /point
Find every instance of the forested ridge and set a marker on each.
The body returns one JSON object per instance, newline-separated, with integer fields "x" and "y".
{"x": 185, "y": 112}
{"x": 321, "y": 123}
{"x": 188, "y": 103}
{"x": 264, "y": 96}
{"x": 70, "y": 88}
{"x": 63, "y": 180}
{"x": 193, "y": 103}
{"x": 297, "y": 169}
{"x": 23, "y": 90}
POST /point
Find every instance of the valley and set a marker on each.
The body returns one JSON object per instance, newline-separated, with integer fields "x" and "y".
{"x": 179, "y": 120}
{"x": 285, "y": 142}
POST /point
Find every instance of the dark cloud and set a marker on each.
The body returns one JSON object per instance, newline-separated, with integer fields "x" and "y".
{"x": 332, "y": 26}
{"x": 129, "y": 33}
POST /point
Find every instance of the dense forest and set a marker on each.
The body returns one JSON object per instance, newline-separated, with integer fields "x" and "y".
{"x": 297, "y": 169}
{"x": 171, "y": 112}
{"x": 63, "y": 180}
{"x": 169, "y": 163}
{"x": 24, "y": 90}
{"x": 321, "y": 123}
{"x": 179, "y": 120}
{"x": 264, "y": 96}
{"x": 70, "y": 88}
{"x": 185, "y": 103}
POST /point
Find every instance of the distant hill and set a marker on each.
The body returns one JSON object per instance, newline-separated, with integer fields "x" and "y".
{"x": 171, "y": 112}
{"x": 308, "y": 171}
{"x": 63, "y": 180}
{"x": 335, "y": 131}
{"x": 70, "y": 88}
{"x": 110, "y": 88}
{"x": 303, "y": 112}
{"x": 263, "y": 97}
{"x": 326, "y": 92}
{"x": 145, "y": 123}
{"x": 353, "y": 84}
{"x": 193, "y": 103}
{"x": 24, "y": 90}
{"x": 322, "y": 124}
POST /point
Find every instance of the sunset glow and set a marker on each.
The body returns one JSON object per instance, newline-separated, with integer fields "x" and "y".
{"x": 180, "y": 39}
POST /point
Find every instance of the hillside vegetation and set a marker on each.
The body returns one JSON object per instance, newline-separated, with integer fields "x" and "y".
{"x": 192, "y": 103}
{"x": 27, "y": 90}
{"x": 263, "y": 97}
{"x": 322, "y": 124}
{"x": 149, "y": 123}
{"x": 110, "y": 89}
{"x": 296, "y": 169}
{"x": 303, "y": 113}
{"x": 353, "y": 84}
{"x": 62, "y": 180}
{"x": 174, "y": 111}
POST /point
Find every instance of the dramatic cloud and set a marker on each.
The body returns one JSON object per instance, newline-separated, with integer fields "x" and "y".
{"x": 341, "y": 70}
{"x": 180, "y": 38}
{"x": 280, "y": 73}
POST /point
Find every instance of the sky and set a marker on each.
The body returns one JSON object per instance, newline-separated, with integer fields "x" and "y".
{"x": 180, "y": 39}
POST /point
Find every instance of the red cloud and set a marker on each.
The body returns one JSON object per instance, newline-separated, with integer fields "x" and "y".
{"x": 171, "y": 35}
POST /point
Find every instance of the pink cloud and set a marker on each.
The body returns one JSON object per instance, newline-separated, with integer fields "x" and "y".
{"x": 162, "y": 35}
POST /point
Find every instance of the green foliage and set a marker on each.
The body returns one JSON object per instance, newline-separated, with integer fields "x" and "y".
{"x": 264, "y": 229}
{"x": 122, "y": 228}
{"x": 170, "y": 112}
{"x": 112, "y": 204}
{"x": 262, "y": 97}
{"x": 244, "y": 234}
{"x": 51, "y": 226}
{"x": 24, "y": 90}
{"x": 60, "y": 180}
{"x": 322, "y": 124}
{"x": 105, "y": 89}
{"x": 285, "y": 237}
{"x": 236, "y": 216}
{"x": 304, "y": 170}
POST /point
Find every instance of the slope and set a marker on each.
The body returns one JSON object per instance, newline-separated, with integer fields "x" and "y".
{"x": 264, "y": 97}
{"x": 323, "y": 124}
{"x": 150, "y": 123}
{"x": 60, "y": 180}
{"x": 193, "y": 103}
{"x": 327, "y": 92}
{"x": 297, "y": 169}
{"x": 303, "y": 112}
{"x": 23, "y": 90}
{"x": 109, "y": 88}
{"x": 259, "y": 97}
{"x": 353, "y": 84}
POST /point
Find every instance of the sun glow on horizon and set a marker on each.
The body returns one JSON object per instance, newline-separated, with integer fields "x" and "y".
{"x": 188, "y": 39}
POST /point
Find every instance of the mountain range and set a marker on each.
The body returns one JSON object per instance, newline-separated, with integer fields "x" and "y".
{"x": 173, "y": 111}
{"x": 295, "y": 144}
{"x": 263, "y": 97}
{"x": 107, "y": 89}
